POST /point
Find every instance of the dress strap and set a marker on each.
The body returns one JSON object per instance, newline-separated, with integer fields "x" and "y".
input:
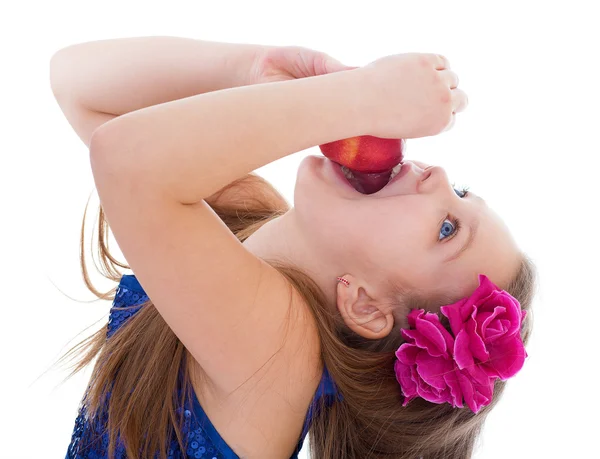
{"x": 327, "y": 386}
{"x": 326, "y": 390}
{"x": 131, "y": 282}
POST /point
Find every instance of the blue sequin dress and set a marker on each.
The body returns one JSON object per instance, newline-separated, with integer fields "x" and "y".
{"x": 89, "y": 440}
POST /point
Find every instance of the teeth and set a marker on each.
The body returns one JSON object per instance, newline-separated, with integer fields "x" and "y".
{"x": 347, "y": 172}
{"x": 395, "y": 170}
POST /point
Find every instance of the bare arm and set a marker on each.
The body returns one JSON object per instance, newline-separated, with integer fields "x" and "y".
{"x": 190, "y": 148}
{"x": 121, "y": 75}
{"x": 94, "y": 82}
{"x": 149, "y": 163}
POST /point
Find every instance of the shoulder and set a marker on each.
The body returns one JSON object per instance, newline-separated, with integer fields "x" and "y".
{"x": 267, "y": 415}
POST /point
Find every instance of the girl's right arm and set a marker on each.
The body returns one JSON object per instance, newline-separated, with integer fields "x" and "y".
{"x": 188, "y": 149}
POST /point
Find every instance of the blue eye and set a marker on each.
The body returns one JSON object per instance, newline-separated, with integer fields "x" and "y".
{"x": 449, "y": 230}
{"x": 446, "y": 232}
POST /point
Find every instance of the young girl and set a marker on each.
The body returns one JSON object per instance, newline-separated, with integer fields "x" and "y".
{"x": 385, "y": 325}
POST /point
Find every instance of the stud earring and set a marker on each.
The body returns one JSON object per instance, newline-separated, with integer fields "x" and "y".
{"x": 343, "y": 281}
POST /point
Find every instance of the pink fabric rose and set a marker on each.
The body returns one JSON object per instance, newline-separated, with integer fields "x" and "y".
{"x": 426, "y": 368}
{"x": 439, "y": 368}
{"x": 487, "y": 327}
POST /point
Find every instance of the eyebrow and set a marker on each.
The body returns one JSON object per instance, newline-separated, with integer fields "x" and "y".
{"x": 472, "y": 233}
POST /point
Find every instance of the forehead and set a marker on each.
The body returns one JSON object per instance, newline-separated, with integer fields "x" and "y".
{"x": 494, "y": 252}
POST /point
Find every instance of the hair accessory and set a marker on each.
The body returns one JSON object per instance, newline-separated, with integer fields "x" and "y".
{"x": 344, "y": 281}
{"x": 485, "y": 344}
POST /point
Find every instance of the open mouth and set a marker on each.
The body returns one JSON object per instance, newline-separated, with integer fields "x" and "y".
{"x": 369, "y": 182}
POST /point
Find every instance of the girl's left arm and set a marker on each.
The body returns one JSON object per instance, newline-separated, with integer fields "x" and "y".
{"x": 96, "y": 81}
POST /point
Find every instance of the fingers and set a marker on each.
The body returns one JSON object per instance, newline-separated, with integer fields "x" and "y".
{"x": 459, "y": 100}
{"x": 450, "y": 77}
{"x": 459, "y": 97}
{"x": 440, "y": 62}
{"x": 459, "y": 103}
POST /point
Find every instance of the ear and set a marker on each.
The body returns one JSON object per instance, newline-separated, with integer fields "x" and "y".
{"x": 361, "y": 313}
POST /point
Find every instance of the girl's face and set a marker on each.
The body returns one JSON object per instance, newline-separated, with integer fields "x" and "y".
{"x": 408, "y": 232}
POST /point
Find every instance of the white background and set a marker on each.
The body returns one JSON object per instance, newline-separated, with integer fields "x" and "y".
{"x": 528, "y": 143}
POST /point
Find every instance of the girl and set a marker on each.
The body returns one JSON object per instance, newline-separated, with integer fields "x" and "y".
{"x": 384, "y": 324}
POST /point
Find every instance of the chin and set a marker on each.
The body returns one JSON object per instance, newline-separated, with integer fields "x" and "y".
{"x": 308, "y": 176}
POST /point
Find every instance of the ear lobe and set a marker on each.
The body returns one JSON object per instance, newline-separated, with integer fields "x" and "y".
{"x": 373, "y": 325}
{"x": 361, "y": 314}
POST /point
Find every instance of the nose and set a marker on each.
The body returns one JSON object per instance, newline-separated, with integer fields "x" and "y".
{"x": 421, "y": 170}
{"x": 435, "y": 178}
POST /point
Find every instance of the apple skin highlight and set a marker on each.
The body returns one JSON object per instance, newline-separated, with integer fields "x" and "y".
{"x": 371, "y": 159}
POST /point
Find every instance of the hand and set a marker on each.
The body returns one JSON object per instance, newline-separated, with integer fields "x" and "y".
{"x": 280, "y": 63}
{"x": 410, "y": 95}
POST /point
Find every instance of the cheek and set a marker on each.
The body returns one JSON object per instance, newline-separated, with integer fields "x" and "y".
{"x": 399, "y": 239}
{"x": 384, "y": 231}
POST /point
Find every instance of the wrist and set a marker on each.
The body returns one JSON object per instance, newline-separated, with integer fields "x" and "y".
{"x": 241, "y": 62}
{"x": 357, "y": 88}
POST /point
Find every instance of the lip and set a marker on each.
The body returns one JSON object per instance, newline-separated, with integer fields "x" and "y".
{"x": 337, "y": 171}
{"x": 420, "y": 173}
{"x": 403, "y": 171}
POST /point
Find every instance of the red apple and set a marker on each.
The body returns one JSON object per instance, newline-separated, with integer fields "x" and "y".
{"x": 370, "y": 159}
{"x": 365, "y": 153}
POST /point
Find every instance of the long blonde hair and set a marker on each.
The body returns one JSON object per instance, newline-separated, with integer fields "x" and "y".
{"x": 368, "y": 423}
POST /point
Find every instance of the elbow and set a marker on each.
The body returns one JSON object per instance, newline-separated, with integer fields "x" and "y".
{"x": 56, "y": 73}
{"x": 102, "y": 146}
{"x": 61, "y": 67}
{"x": 110, "y": 149}
{"x": 98, "y": 140}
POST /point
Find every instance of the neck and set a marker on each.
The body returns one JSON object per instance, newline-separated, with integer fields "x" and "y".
{"x": 281, "y": 240}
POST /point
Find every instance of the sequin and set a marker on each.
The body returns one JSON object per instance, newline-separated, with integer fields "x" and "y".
{"x": 201, "y": 440}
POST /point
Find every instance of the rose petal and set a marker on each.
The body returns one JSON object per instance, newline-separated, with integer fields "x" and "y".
{"x": 432, "y": 369}
{"x": 476, "y": 395}
{"x": 407, "y": 353}
{"x": 448, "y": 338}
{"x": 510, "y": 312}
{"x": 480, "y": 297}
{"x": 497, "y": 330}
{"x": 486, "y": 286}
{"x": 456, "y": 394}
{"x": 479, "y": 401}
{"x": 476, "y": 344}
{"x": 407, "y": 384}
{"x": 424, "y": 342}
{"x": 480, "y": 375}
{"x": 508, "y": 359}
{"x": 452, "y": 312}
{"x": 466, "y": 388}
{"x": 433, "y": 340}
{"x": 412, "y": 316}
{"x": 462, "y": 353}
{"x": 484, "y": 320}
{"x": 431, "y": 394}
